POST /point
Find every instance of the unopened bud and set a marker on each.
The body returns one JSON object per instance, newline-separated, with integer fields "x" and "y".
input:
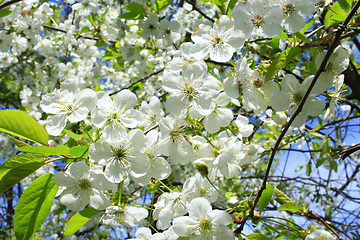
{"x": 233, "y": 201}
{"x": 202, "y": 168}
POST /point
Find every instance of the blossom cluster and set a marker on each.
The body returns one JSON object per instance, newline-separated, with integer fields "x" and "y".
{"x": 189, "y": 117}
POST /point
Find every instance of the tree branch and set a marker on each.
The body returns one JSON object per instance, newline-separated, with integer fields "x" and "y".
{"x": 8, "y": 3}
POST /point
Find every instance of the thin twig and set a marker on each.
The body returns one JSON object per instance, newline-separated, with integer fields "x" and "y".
{"x": 325, "y": 223}
{"x": 8, "y": 3}
{"x": 140, "y": 80}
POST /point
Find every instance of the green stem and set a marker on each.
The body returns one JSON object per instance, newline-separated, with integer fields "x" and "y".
{"x": 280, "y": 223}
{"x": 87, "y": 133}
{"x": 120, "y": 192}
{"x": 151, "y": 226}
{"x": 92, "y": 234}
{"x": 165, "y": 186}
{"x": 215, "y": 187}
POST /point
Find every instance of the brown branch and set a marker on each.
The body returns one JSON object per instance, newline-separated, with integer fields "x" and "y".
{"x": 346, "y": 152}
{"x": 140, "y": 80}
{"x": 325, "y": 223}
{"x": 8, "y": 3}
{"x": 338, "y": 31}
{"x": 199, "y": 11}
{"x": 81, "y": 36}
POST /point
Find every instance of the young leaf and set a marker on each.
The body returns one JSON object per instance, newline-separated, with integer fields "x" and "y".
{"x": 308, "y": 168}
{"x": 161, "y": 4}
{"x": 258, "y": 236}
{"x": 20, "y": 124}
{"x": 344, "y": 5}
{"x": 289, "y": 207}
{"x": 265, "y": 197}
{"x": 79, "y": 219}
{"x": 34, "y": 206}
{"x": 19, "y": 143}
{"x": 134, "y": 11}
{"x": 280, "y": 61}
{"x": 79, "y": 151}
{"x": 5, "y": 12}
{"x": 281, "y": 197}
{"x": 17, "y": 174}
{"x": 47, "y": 151}
{"x": 17, "y": 160}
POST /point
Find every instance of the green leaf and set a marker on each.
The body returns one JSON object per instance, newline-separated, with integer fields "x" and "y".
{"x": 47, "y": 151}
{"x": 333, "y": 11}
{"x": 315, "y": 134}
{"x": 265, "y": 197}
{"x": 302, "y": 37}
{"x": 281, "y": 197}
{"x": 258, "y": 236}
{"x": 161, "y": 4}
{"x": 231, "y": 5}
{"x": 308, "y": 168}
{"x": 79, "y": 151}
{"x": 333, "y": 165}
{"x": 16, "y": 161}
{"x": 320, "y": 161}
{"x": 19, "y": 143}
{"x": 280, "y": 61}
{"x": 308, "y": 24}
{"x": 18, "y": 123}
{"x": 5, "y": 12}
{"x": 344, "y": 4}
{"x": 79, "y": 219}
{"x": 290, "y": 207}
{"x": 338, "y": 18}
{"x": 85, "y": 29}
{"x": 34, "y": 206}
{"x": 17, "y": 174}
{"x": 134, "y": 11}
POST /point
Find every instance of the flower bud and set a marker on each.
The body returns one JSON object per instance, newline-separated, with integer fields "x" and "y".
{"x": 202, "y": 168}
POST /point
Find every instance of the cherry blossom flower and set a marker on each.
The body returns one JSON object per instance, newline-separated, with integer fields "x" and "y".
{"x": 258, "y": 17}
{"x": 65, "y": 105}
{"x": 218, "y": 42}
{"x": 203, "y": 222}
{"x": 320, "y": 235}
{"x": 190, "y": 89}
{"x": 118, "y": 113}
{"x": 129, "y": 215}
{"x": 291, "y": 97}
{"x": 81, "y": 186}
{"x": 336, "y": 97}
{"x": 173, "y": 143}
{"x": 121, "y": 158}
{"x": 338, "y": 62}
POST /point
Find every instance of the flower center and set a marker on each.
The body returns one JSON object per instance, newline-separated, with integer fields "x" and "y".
{"x": 84, "y": 184}
{"x": 190, "y": 91}
{"x": 205, "y": 225}
{"x": 217, "y": 41}
{"x": 288, "y": 9}
{"x": 258, "y": 20}
{"x": 297, "y": 98}
{"x": 258, "y": 83}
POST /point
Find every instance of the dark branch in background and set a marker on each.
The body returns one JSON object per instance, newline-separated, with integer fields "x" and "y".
{"x": 140, "y": 80}
{"x": 338, "y": 31}
{"x": 81, "y": 36}
{"x": 323, "y": 222}
{"x": 8, "y": 3}
{"x": 199, "y": 11}
{"x": 345, "y": 153}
